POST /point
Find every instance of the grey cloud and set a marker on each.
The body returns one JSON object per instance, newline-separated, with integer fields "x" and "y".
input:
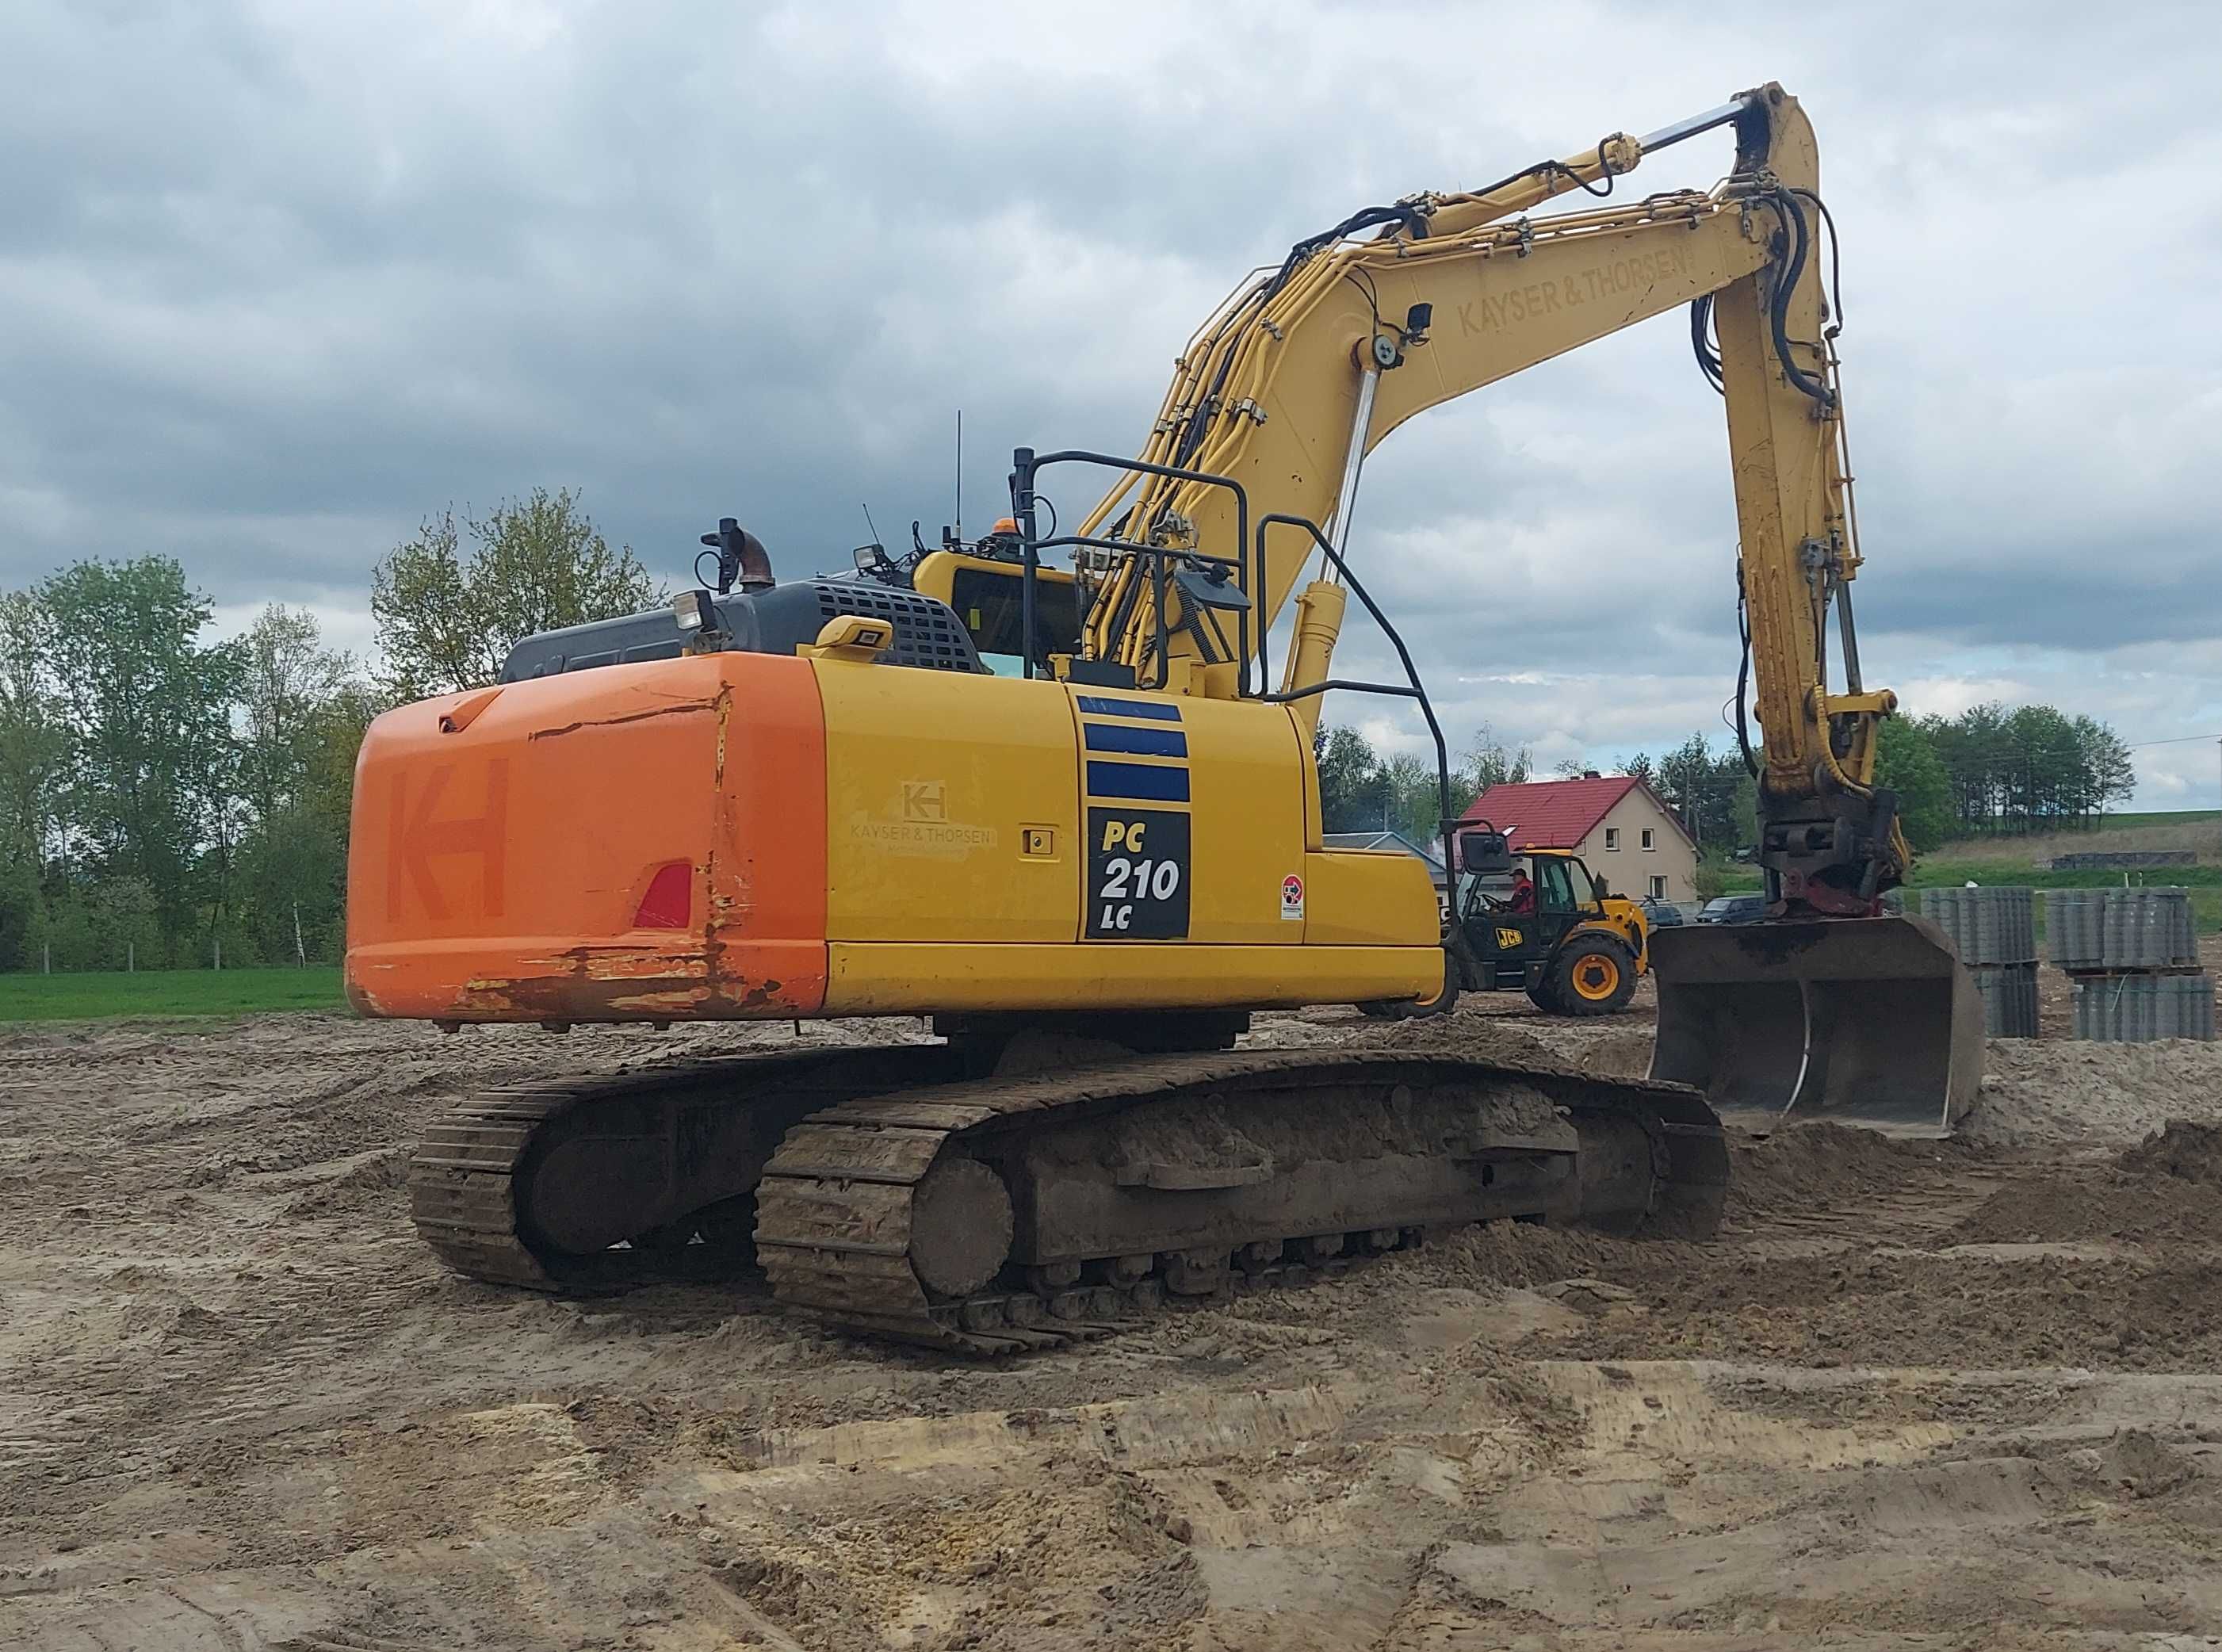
{"x": 280, "y": 283}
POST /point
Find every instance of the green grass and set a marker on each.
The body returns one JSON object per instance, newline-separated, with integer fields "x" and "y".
{"x": 2157, "y": 818}
{"x": 1942, "y": 870}
{"x": 2205, "y": 882}
{"x": 98, "y": 993}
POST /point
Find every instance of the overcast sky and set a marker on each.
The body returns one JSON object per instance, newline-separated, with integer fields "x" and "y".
{"x": 279, "y": 280}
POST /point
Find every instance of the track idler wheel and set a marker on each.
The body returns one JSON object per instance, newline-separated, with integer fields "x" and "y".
{"x": 961, "y": 1227}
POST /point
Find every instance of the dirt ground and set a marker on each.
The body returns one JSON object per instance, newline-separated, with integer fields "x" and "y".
{"x": 1953, "y": 1394}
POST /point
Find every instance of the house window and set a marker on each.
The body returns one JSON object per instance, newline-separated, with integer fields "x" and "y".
{"x": 1612, "y": 838}
{"x": 1650, "y": 839}
{"x": 1658, "y": 888}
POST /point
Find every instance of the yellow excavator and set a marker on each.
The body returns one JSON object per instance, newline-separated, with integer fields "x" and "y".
{"x": 812, "y": 799}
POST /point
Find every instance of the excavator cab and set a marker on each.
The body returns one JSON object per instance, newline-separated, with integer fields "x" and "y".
{"x": 984, "y": 588}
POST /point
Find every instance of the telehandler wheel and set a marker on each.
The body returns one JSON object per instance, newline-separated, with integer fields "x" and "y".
{"x": 1413, "y": 1010}
{"x": 1592, "y": 976}
{"x": 1544, "y": 998}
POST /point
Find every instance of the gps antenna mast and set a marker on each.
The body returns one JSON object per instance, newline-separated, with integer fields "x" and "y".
{"x": 959, "y": 511}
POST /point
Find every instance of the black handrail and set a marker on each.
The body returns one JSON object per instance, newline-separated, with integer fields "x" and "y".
{"x": 1414, "y": 689}
{"x": 1027, "y": 464}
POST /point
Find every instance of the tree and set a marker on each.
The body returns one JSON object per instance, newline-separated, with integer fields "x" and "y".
{"x": 1489, "y": 763}
{"x": 2030, "y": 769}
{"x": 303, "y": 716}
{"x": 1711, "y": 791}
{"x": 1410, "y": 786}
{"x": 1351, "y": 798}
{"x": 1906, "y": 762}
{"x": 447, "y": 620}
{"x": 34, "y": 759}
{"x": 147, "y": 716}
{"x": 2110, "y": 774}
{"x": 1683, "y": 778}
{"x": 288, "y": 678}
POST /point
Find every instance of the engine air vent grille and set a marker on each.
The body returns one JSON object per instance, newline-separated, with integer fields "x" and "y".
{"x": 927, "y": 632}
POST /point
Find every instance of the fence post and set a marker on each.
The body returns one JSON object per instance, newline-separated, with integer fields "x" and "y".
{"x": 131, "y": 958}
{"x": 300, "y": 953}
{"x": 47, "y": 957}
{"x": 219, "y": 950}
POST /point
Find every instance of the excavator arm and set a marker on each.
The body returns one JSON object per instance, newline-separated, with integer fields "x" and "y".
{"x": 1308, "y": 367}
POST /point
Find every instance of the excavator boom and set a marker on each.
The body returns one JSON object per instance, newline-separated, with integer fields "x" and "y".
{"x": 1307, "y": 367}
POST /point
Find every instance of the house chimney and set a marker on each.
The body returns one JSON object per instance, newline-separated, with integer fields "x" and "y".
{"x": 1591, "y": 773}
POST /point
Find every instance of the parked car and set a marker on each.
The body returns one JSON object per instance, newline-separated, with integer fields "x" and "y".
{"x": 1733, "y": 909}
{"x": 1662, "y": 913}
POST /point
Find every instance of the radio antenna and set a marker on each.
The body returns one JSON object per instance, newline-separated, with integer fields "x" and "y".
{"x": 959, "y": 511}
{"x": 871, "y": 524}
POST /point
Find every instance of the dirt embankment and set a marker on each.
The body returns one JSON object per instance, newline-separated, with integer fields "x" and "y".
{"x": 1948, "y": 1394}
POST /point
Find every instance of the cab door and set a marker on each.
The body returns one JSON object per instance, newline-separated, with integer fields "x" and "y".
{"x": 1502, "y": 941}
{"x": 1559, "y": 904}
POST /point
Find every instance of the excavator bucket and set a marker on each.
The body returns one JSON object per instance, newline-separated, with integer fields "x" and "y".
{"x": 1861, "y": 1020}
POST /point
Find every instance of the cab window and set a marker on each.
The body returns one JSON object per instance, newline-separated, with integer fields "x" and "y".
{"x": 989, "y": 605}
{"x": 1553, "y": 892}
{"x": 1579, "y": 884}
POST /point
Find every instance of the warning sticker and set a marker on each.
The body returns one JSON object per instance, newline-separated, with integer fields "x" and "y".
{"x": 1292, "y": 899}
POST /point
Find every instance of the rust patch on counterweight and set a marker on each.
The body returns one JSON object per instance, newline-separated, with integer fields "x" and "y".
{"x": 591, "y": 983}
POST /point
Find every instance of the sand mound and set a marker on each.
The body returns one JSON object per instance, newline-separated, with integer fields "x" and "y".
{"x": 2165, "y": 1190}
{"x": 1818, "y": 1165}
{"x": 2190, "y": 1153}
{"x": 2052, "y": 1092}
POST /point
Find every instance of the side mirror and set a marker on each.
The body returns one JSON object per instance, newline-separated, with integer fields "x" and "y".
{"x": 1603, "y": 890}
{"x": 1484, "y": 851}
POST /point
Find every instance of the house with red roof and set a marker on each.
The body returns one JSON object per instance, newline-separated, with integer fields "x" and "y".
{"x": 1624, "y": 832}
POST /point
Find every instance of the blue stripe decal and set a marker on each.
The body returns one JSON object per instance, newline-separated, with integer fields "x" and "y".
{"x": 1143, "y": 742}
{"x": 1157, "y": 709}
{"x": 1137, "y": 780}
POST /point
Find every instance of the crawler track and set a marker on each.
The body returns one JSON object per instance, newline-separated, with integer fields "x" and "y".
{"x": 671, "y": 1153}
{"x": 987, "y": 1217}
{"x": 848, "y": 1229}
{"x": 462, "y": 1187}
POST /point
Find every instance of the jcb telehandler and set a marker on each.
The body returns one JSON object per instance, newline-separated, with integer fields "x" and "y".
{"x": 1534, "y": 921}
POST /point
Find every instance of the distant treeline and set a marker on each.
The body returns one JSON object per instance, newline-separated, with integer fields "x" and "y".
{"x": 163, "y": 795}
{"x": 1989, "y": 771}
{"x": 1365, "y": 790}
{"x": 2030, "y": 769}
